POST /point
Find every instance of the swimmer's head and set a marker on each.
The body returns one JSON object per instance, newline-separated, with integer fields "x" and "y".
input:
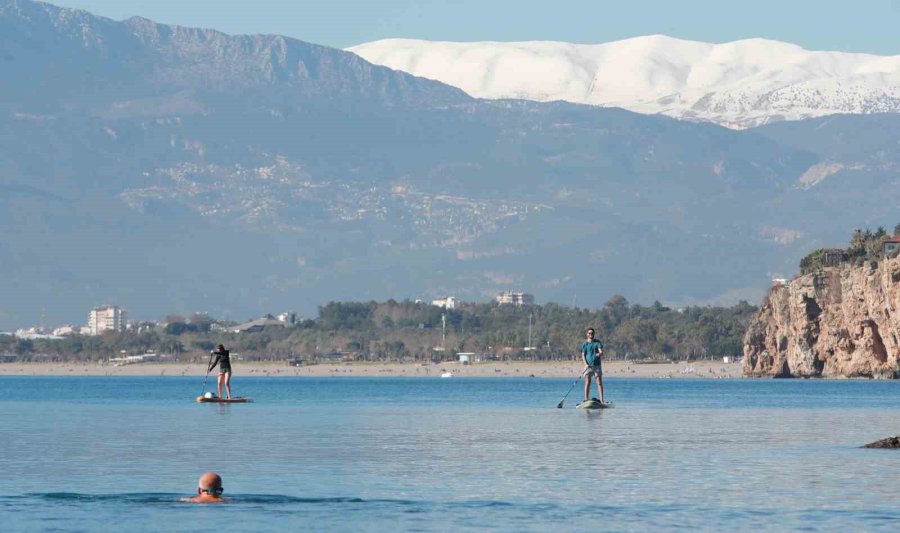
{"x": 210, "y": 483}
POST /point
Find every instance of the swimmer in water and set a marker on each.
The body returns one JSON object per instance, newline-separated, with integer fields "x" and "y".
{"x": 209, "y": 489}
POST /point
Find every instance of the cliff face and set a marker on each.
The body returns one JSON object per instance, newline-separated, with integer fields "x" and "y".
{"x": 838, "y": 322}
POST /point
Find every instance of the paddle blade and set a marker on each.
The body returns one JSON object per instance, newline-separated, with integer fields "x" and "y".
{"x": 559, "y": 405}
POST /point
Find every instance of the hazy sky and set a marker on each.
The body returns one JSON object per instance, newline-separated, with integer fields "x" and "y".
{"x": 859, "y": 25}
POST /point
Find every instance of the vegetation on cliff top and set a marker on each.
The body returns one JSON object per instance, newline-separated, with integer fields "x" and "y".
{"x": 864, "y": 245}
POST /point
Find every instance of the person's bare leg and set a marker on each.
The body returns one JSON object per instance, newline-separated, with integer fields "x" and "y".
{"x": 587, "y": 388}
{"x": 600, "y": 387}
{"x": 219, "y": 383}
{"x": 228, "y": 384}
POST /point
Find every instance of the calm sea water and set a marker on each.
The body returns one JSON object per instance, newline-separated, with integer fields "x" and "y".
{"x": 357, "y": 454}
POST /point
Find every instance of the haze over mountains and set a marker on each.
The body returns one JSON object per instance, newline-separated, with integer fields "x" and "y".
{"x": 171, "y": 169}
{"x": 738, "y": 84}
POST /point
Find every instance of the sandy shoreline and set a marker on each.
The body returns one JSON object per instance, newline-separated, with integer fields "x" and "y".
{"x": 551, "y": 369}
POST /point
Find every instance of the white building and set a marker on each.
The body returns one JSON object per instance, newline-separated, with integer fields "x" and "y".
{"x": 447, "y": 303}
{"x": 36, "y": 332}
{"x": 515, "y": 298}
{"x": 106, "y": 318}
{"x": 62, "y": 331}
{"x": 288, "y": 318}
{"x": 33, "y": 332}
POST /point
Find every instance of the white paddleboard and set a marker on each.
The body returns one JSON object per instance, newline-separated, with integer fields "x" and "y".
{"x": 215, "y": 399}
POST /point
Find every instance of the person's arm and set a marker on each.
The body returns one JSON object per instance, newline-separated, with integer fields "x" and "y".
{"x": 584, "y": 357}
{"x": 214, "y": 363}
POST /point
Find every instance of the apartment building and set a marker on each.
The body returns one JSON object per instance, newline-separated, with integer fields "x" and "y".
{"x": 515, "y": 298}
{"x": 106, "y": 318}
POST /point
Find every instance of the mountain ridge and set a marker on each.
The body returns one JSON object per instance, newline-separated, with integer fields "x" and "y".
{"x": 132, "y": 178}
{"x": 216, "y": 60}
{"x": 739, "y": 84}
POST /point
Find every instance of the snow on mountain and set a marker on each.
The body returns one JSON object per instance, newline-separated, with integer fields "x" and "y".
{"x": 739, "y": 84}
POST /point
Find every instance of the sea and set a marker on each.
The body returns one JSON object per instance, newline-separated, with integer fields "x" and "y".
{"x": 431, "y": 454}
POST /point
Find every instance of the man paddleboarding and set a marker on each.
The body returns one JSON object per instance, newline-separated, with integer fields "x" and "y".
{"x": 591, "y": 352}
{"x": 223, "y": 359}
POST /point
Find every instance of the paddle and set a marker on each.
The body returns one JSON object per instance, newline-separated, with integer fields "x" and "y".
{"x": 560, "y": 404}
{"x": 207, "y": 375}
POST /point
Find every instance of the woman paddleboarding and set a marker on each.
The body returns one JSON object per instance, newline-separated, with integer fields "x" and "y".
{"x": 223, "y": 359}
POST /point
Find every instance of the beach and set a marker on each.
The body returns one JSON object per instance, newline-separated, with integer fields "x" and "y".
{"x": 543, "y": 369}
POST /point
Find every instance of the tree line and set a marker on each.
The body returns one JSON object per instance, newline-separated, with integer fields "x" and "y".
{"x": 417, "y": 331}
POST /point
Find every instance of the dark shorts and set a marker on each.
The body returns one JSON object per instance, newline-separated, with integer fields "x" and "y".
{"x": 224, "y": 370}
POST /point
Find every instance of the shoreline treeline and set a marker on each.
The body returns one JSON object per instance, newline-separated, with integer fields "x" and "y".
{"x": 416, "y": 331}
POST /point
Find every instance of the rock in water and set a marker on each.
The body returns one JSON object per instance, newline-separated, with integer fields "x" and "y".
{"x": 890, "y": 442}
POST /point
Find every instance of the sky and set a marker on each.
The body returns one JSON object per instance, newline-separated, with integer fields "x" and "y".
{"x": 853, "y": 26}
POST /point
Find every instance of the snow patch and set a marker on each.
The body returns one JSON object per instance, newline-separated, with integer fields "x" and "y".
{"x": 739, "y": 84}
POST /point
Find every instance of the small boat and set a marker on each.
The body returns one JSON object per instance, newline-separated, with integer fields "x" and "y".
{"x": 447, "y": 375}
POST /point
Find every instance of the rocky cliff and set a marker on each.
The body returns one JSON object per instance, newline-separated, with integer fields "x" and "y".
{"x": 837, "y": 322}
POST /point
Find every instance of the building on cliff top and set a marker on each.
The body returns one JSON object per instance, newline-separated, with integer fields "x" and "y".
{"x": 830, "y": 257}
{"x": 891, "y": 246}
{"x": 834, "y": 257}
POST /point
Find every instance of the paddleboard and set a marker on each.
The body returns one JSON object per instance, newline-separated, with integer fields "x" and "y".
{"x": 594, "y": 404}
{"x": 239, "y": 399}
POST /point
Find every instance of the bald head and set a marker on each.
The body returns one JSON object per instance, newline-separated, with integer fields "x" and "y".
{"x": 210, "y": 480}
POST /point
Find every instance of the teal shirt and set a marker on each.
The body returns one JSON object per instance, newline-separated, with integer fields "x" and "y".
{"x": 591, "y": 351}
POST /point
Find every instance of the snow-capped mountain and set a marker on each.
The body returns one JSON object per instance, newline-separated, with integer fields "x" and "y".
{"x": 739, "y": 84}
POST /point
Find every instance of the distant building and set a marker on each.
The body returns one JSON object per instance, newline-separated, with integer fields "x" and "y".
{"x": 106, "y": 318}
{"x": 448, "y": 302}
{"x": 142, "y": 326}
{"x": 37, "y": 332}
{"x": 62, "y": 331}
{"x": 33, "y": 332}
{"x": 260, "y": 324}
{"x": 288, "y": 318}
{"x": 515, "y": 298}
{"x": 133, "y": 359}
{"x": 891, "y": 246}
{"x": 830, "y": 257}
{"x": 834, "y": 257}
